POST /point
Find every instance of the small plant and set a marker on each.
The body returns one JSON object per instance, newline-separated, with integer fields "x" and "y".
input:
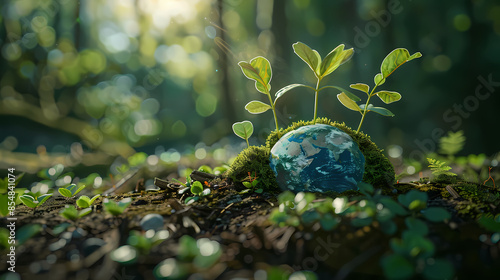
{"x": 243, "y": 130}
{"x": 33, "y": 201}
{"x": 143, "y": 242}
{"x": 391, "y": 62}
{"x": 439, "y": 167}
{"x": 9, "y": 194}
{"x": 251, "y": 184}
{"x": 71, "y": 190}
{"x": 69, "y": 212}
{"x": 116, "y": 208}
{"x": 452, "y": 143}
{"x": 198, "y": 191}
{"x": 85, "y": 201}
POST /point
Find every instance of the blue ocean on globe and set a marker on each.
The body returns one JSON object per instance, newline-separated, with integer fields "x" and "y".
{"x": 317, "y": 158}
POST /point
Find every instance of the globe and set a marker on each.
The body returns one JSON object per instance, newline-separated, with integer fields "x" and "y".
{"x": 317, "y": 158}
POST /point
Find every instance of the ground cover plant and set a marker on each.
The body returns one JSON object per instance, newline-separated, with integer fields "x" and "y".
{"x": 229, "y": 221}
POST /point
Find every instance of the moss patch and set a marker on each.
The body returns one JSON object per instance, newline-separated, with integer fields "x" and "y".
{"x": 378, "y": 170}
{"x": 254, "y": 159}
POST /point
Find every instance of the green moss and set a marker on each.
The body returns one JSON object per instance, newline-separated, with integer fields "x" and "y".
{"x": 254, "y": 159}
{"x": 378, "y": 170}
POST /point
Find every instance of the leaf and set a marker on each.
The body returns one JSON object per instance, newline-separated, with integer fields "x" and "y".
{"x": 389, "y": 227}
{"x": 411, "y": 196}
{"x": 94, "y": 198}
{"x": 395, "y": 59}
{"x": 379, "y": 110}
{"x": 196, "y": 188}
{"x": 308, "y": 55}
{"x": 348, "y": 93}
{"x": 379, "y": 79}
{"x": 259, "y": 70}
{"x": 393, "y": 206}
{"x": 489, "y": 223}
{"x": 26, "y": 232}
{"x": 334, "y": 59}
{"x": 397, "y": 267}
{"x": 439, "y": 269}
{"x": 84, "y": 212}
{"x": 439, "y": 167}
{"x": 41, "y": 199}
{"x": 65, "y": 192}
{"x": 417, "y": 226}
{"x": 362, "y": 87}
{"x": 388, "y": 96}
{"x": 28, "y": 200}
{"x": 257, "y": 107}
{"x": 247, "y": 185}
{"x": 452, "y": 143}
{"x": 79, "y": 189}
{"x": 285, "y": 89}
{"x": 243, "y": 129}
{"x": 83, "y": 201}
{"x": 436, "y": 214}
{"x": 348, "y": 102}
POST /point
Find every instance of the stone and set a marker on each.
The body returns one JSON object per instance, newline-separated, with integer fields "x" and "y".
{"x": 317, "y": 158}
{"x": 152, "y": 221}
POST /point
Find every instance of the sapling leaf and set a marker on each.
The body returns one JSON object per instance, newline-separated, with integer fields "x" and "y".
{"x": 41, "y": 199}
{"x": 243, "y": 129}
{"x": 309, "y": 56}
{"x": 388, "y": 96}
{"x": 83, "y": 201}
{"x": 379, "y": 110}
{"x": 65, "y": 192}
{"x": 362, "y": 87}
{"x": 197, "y": 188}
{"x": 334, "y": 59}
{"x": 257, "y": 107}
{"x": 285, "y": 89}
{"x": 379, "y": 79}
{"x": 76, "y": 189}
{"x": 348, "y": 93}
{"x": 28, "y": 200}
{"x": 395, "y": 59}
{"x": 348, "y": 102}
{"x": 436, "y": 214}
{"x": 259, "y": 70}
{"x": 247, "y": 185}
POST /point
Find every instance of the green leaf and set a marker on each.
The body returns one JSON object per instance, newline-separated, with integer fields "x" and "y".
{"x": 26, "y": 232}
{"x": 65, "y": 192}
{"x": 393, "y": 206}
{"x": 388, "y": 96}
{"x": 452, "y": 143}
{"x": 41, "y": 199}
{"x": 259, "y": 70}
{"x": 365, "y": 188}
{"x": 379, "y": 110}
{"x": 28, "y": 200}
{"x": 308, "y": 55}
{"x": 78, "y": 190}
{"x": 83, "y": 201}
{"x": 259, "y": 190}
{"x": 438, "y": 269}
{"x": 285, "y": 89}
{"x": 196, "y": 188}
{"x": 334, "y": 59}
{"x": 379, "y": 79}
{"x": 362, "y": 87}
{"x": 257, "y": 107}
{"x": 69, "y": 212}
{"x": 348, "y": 102}
{"x": 84, "y": 212}
{"x": 93, "y": 199}
{"x": 397, "y": 267}
{"x": 411, "y": 196}
{"x": 489, "y": 223}
{"x": 247, "y": 185}
{"x": 395, "y": 59}
{"x": 389, "y": 227}
{"x": 436, "y": 214}
{"x": 243, "y": 129}
{"x": 417, "y": 226}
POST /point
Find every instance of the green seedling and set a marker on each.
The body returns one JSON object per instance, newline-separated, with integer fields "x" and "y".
{"x": 71, "y": 190}
{"x": 251, "y": 184}
{"x": 391, "y": 62}
{"x": 69, "y": 212}
{"x": 243, "y": 130}
{"x": 116, "y": 208}
{"x": 439, "y": 167}
{"x": 198, "y": 191}
{"x": 143, "y": 242}
{"x": 9, "y": 193}
{"x": 33, "y": 201}
{"x": 85, "y": 201}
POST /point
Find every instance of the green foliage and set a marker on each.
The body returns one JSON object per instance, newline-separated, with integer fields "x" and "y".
{"x": 243, "y": 130}
{"x": 452, "y": 143}
{"x": 439, "y": 168}
{"x": 256, "y": 161}
{"x": 33, "y": 201}
{"x": 251, "y": 184}
{"x": 9, "y": 193}
{"x": 71, "y": 190}
{"x": 69, "y": 212}
{"x": 379, "y": 171}
{"x": 198, "y": 191}
{"x": 144, "y": 242}
{"x": 85, "y": 201}
{"x": 197, "y": 188}
{"x": 116, "y": 208}
{"x": 391, "y": 62}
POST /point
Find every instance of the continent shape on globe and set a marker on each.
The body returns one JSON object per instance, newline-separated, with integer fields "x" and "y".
{"x": 317, "y": 158}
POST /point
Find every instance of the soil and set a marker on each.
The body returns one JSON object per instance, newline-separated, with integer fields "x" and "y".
{"x": 239, "y": 222}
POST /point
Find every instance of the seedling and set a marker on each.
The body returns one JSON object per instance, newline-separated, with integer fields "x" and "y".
{"x": 85, "y": 201}
{"x": 251, "y": 184}
{"x": 116, "y": 208}
{"x": 243, "y": 130}
{"x": 143, "y": 242}
{"x": 391, "y": 62}
{"x": 33, "y": 201}
{"x": 71, "y": 190}
{"x": 439, "y": 167}
{"x": 70, "y": 212}
{"x": 9, "y": 194}
{"x": 198, "y": 191}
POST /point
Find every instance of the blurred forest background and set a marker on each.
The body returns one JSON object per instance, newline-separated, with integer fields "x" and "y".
{"x": 87, "y": 81}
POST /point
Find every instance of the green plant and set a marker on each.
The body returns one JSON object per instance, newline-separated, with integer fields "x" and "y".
{"x": 69, "y": 212}
{"x": 198, "y": 191}
{"x": 116, "y": 208}
{"x": 85, "y": 201}
{"x": 71, "y": 190}
{"x": 251, "y": 184}
{"x": 439, "y": 167}
{"x": 9, "y": 193}
{"x": 33, "y": 201}
{"x": 243, "y": 130}
{"x": 452, "y": 143}
{"x": 391, "y": 62}
{"x": 143, "y": 242}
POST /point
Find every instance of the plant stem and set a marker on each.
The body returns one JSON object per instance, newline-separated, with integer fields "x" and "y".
{"x": 274, "y": 113}
{"x": 248, "y": 145}
{"x": 316, "y": 93}
{"x": 366, "y": 108}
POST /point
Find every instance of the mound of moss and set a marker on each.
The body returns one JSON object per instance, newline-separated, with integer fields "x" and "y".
{"x": 378, "y": 170}
{"x": 254, "y": 160}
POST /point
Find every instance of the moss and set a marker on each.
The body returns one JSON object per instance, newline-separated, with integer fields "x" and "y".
{"x": 254, "y": 159}
{"x": 378, "y": 170}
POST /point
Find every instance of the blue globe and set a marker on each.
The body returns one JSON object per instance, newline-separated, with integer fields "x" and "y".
{"x": 317, "y": 158}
